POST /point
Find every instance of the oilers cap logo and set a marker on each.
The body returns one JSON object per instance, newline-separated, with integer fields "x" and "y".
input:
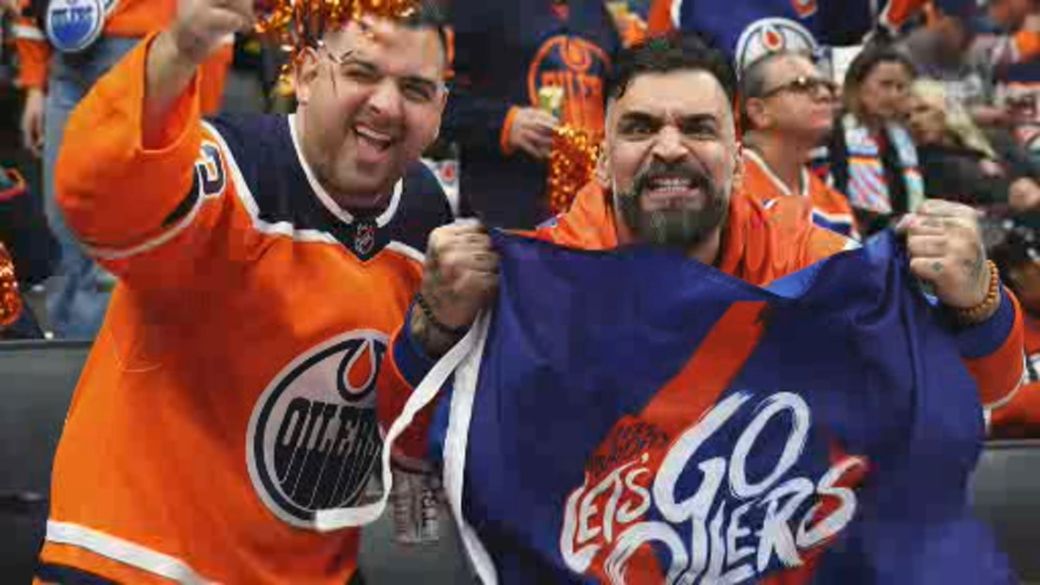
{"x": 74, "y": 25}
{"x": 770, "y": 35}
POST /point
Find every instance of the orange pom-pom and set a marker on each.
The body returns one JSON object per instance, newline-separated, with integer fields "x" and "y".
{"x": 572, "y": 163}
{"x": 10, "y": 300}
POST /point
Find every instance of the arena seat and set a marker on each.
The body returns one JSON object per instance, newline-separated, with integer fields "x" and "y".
{"x": 37, "y": 379}
{"x": 1006, "y": 492}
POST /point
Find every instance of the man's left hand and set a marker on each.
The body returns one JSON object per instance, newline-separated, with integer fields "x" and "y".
{"x": 945, "y": 246}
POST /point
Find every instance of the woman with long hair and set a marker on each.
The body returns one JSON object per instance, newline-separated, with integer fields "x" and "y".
{"x": 873, "y": 158}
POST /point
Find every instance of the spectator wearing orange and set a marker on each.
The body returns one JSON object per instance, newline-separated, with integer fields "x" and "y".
{"x": 58, "y": 68}
{"x": 787, "y": 110}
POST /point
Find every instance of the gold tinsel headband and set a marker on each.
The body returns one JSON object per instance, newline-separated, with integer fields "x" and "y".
{"x": 296, "y": 24}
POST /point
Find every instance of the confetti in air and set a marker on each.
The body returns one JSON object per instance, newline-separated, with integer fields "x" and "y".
{"x": 296, "y": 24}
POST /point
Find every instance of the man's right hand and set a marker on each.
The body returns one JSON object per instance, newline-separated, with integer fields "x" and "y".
{"x": 532, "y": 132}
{"x": 202, "y": 26}
{"x": 32, "y": 120}
{"x": 459, "y": 279}
{"x": 174, "y": 56}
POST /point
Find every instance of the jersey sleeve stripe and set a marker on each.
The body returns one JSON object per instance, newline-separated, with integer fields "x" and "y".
{"x": 169, "y": 234}
{"x": 24, "y": 31}
{"x": 123, "y": 551}
{"x": 406, "y": 250}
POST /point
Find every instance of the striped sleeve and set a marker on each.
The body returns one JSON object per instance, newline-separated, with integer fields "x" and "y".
{"x": 148, "y": 214}
{"x": 993, "y": 353}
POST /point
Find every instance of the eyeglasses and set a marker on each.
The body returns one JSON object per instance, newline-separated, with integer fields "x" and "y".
{"x": 805, "y": 85}
{"x": 417, "y": 90}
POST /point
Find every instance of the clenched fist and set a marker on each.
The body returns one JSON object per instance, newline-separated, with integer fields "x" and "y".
{"x": 202, "y": 26}
{"x": 946, "y": 250}
{"x": 459, "y": 279}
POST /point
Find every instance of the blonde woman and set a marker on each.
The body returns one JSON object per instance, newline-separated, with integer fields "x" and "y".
{"x": 959, "y": 161}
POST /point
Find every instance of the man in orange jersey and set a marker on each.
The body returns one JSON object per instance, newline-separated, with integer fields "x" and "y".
{"x": 263, "y": 263}
{"x": 61, "y": 58}
{"x": 787, "y": 110}
{"x": 671, "y": 177}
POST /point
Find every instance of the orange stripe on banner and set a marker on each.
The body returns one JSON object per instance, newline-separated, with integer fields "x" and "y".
{"x": 709, "y": 372}
{"x": 682, "y": 401}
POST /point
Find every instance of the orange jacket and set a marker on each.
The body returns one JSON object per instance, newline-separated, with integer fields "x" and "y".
{"x": 128, "y": 18}
{"x": 828, "y": 207}
{"x": 1020, "y": 419}
{"x": 759, "y": 245}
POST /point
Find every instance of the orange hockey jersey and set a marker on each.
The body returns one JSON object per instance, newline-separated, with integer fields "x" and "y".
{"x": 830, "y": 209}
{"x": 1020, "y": 418}
{"x": 124, "y": 18}
{"x": 231, "y": 391}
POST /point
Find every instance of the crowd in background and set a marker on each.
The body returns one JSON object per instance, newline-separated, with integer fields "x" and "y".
{"x": 945, "y": 108}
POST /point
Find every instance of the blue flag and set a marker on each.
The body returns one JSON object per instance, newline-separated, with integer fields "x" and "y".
{"x": 637, "y": 417}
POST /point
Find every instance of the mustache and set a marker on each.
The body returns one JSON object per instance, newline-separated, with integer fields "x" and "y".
{"x": 657, "y": 170}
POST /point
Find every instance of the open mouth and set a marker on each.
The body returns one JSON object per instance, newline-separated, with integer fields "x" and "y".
{"x": 665, "y": 192}
{"x": 378, "y": 142}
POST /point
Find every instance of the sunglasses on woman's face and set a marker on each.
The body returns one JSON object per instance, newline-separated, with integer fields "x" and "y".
{"x": 805, "y": 85}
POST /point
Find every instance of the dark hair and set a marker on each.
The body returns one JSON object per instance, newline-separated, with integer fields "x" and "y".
{"x": 1010, "y": 245}
{"x": 666, "y": 54}
{"x": 429, "y": 15}
{"x": 865, "y": 63}
{"x": 753, "y": 79}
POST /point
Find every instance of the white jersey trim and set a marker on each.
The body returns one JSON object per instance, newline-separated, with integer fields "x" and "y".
{"x": 31, "y": 33}
{"x": 123, "y": 551}
{"x": 121, "y": 253}
{"x": 834, "y": 217}
{"x": 1009, "y": 396}
{"x": 245, "y": 196}
{"x": 406, "y": 250}
{"x": 248, "y": 201}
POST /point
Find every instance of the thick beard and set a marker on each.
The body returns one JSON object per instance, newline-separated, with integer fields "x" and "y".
{"x": 681, "y": 229}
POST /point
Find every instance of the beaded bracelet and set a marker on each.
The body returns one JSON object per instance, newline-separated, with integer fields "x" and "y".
{"x": 981, "y": 311}
{"x": 428, "y": 312}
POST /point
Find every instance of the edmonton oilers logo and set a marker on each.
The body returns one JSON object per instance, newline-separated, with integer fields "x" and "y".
{"x": 771, "y": 35}
{"x": 73, "y": 25}
{"x": 314, "y": 439}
